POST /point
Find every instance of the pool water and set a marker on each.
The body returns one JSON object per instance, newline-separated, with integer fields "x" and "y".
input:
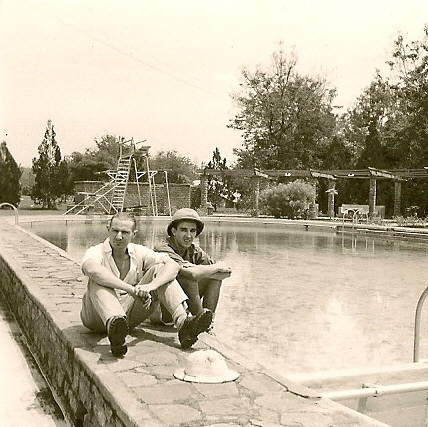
{"x": 299, "y": 300}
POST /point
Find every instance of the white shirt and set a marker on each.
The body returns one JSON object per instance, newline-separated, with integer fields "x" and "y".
{"x": 141, "y": 259}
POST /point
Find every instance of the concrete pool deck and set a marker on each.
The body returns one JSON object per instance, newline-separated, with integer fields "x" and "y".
{"x": 44, "y": 288}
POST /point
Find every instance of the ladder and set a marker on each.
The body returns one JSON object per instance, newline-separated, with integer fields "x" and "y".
{"x": 121, "y": 178}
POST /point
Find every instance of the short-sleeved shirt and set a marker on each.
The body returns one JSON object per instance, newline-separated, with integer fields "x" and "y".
{"x": 194, "y": 255}
{"x": 141, "y": 259}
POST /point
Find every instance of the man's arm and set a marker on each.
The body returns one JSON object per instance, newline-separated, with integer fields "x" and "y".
{"x": 205, "y": 266}
{"x": 217, "y": 271}
{"x": 101, "y": 275}
{"x": 166, "y": 273}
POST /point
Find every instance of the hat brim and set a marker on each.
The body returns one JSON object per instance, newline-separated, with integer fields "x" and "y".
{"x": 173, "y": 224}
{"x": 229, "y": 376}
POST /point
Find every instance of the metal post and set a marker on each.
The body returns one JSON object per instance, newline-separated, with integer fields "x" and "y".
{"x": 150, "y": 185}
{"x": 154, "y": 193}
{"x": 14, "y": 209}
{"x": 138, "y": 181}
{"x": 375, "y": 391}
{"x": 167, "y": 193}
{"x": 417, "y": 333}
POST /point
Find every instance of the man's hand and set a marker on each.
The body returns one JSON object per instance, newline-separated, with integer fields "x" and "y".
{"x": 223, "y": 267}
{"x": 223, "y": 271}
{"x": 142, "y": 293}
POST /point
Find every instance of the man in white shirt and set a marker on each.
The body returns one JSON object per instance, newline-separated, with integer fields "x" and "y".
{"x": 127, "y": 281}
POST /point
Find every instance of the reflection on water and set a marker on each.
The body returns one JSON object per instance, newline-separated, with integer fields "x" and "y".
{"x": 297, "y": 300}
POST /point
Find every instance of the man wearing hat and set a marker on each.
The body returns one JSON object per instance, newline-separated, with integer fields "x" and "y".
{"x": 126, "y": 282}
{"x": 200, "y": 275}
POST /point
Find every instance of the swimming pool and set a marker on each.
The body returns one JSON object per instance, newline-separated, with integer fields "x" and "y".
{"x": 299, "y": 300}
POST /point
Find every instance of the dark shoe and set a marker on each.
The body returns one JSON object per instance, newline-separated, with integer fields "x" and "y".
{"x": 193, "y": 326}
{"x": 117, "y": 332}
{"x": 211, "y": 328}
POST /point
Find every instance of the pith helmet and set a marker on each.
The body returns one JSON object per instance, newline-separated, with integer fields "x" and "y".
{"x": 206, "y": 366}
{"x": 186, "y": 214}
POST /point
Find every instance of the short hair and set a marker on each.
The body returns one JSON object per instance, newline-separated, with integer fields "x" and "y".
{"x": 124, "y": 216}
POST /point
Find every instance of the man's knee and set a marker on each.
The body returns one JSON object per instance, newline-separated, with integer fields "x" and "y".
{"x": 151, "y": 272}
{"x": 188, "y": 284}
{"x": 210, "y": 284}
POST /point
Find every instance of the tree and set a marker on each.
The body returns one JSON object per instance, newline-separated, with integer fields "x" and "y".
{"x": 90, "y": 165}
{"x": 366, "y": 124}
{"x": 409, "y": 128}
{"x": 388, "y": 127}
{"x": 218, "y": 185}
{"x": 286, "y": 118}
{"x": 409, "y": 81}
{"x": 10, "y": 190}
{"x": 180, "y": 169}
{"x": 27, "y": 180}
{"x": 51, "y": 172}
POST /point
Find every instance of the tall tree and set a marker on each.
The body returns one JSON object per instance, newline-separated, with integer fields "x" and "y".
{"x": 90, "y": 165}
{"x": 218, "y": 185}
{"x": 409, "y": 81}
{"x": 409, "y": 137}
{"x": 180, "y": 169}
{"x": 286, "y": 118}
{"x": 27, "y": 180}
{"x": 388, "y": 127}
{"x": 51, "y": 172}
{"x": 10, "y": 190}
{"x": 367, "y": 121}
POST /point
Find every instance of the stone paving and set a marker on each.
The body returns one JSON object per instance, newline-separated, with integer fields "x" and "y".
{"x": 141, "y": 385}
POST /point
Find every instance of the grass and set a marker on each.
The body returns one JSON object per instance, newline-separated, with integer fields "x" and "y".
{"x": 27, "y": 207}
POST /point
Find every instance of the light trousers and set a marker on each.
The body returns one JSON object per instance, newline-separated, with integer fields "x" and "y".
{"x": 101, "y": 303}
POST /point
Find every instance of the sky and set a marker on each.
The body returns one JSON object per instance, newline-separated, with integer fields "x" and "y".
{"x": 163, "y": 71}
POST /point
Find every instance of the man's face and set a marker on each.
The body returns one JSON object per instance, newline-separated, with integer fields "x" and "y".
{"x": 121, "y": 232}
{"x": 185, "y": 233}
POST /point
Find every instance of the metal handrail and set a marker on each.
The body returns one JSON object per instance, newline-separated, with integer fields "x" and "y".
{"x": 418, "y": 313}
{"x": 375, "y": 391}
{"x": 14, "y": 208}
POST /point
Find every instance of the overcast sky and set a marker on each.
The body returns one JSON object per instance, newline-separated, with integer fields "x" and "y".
{"x": 163, "y": 71}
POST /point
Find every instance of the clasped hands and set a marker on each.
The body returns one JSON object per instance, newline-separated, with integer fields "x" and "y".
{"x": 142, "y": 292}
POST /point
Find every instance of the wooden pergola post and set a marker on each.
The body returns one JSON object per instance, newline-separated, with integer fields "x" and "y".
{"x": 331, "y": 192}
{"x": 372, "y": 197}
{"x": 256, "y": 196}
{"x": 397, "y": 197}
{"x": 204, "y": 193}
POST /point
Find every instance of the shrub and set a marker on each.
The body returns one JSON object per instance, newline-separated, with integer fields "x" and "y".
{"x": 287, "y": 200}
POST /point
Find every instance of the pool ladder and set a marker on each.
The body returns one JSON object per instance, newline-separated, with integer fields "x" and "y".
{"x": 376, "y": 390}
{"x": 416, "y": 339}
{"x": 14, "y": 209}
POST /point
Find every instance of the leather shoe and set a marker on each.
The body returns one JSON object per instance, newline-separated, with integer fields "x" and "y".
{"x": 117, "y": 331}
{"x": 193, "y": 326}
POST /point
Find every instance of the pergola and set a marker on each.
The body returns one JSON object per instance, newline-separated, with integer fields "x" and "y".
{"x": 373, "y": 174}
